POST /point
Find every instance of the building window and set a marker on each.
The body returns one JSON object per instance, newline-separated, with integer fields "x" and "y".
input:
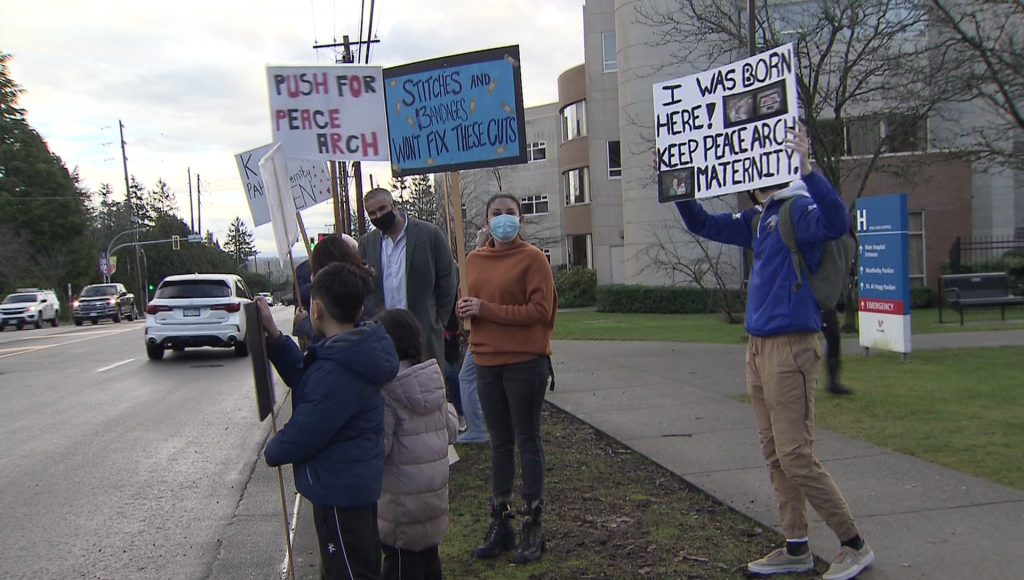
{"x": 915, "y": 231}
{"x": 547, "y": 254}
{"x": 614, "y": 160}
{"x": 577, "y": 186}
{"x": 534, "y": 204}
{"x": 580, "y": 253}
{"x": 574, "y": 121}
{"x": 536, "y": 151}
{"x": 891, "y": 134}
{"x": 611, "y": 59}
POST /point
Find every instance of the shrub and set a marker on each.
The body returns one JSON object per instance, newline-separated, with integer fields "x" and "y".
{"x": 577, "y": 287}
{"x": 635, "y": 299}
{"x": 920, "y": 297}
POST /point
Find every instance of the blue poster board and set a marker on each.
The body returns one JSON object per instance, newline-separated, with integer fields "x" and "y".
{"x": 458, "y": 112}
{"x": 883, "y": 272}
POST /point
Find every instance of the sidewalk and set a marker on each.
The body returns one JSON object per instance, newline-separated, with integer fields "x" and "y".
{"x": 670, "y": 402}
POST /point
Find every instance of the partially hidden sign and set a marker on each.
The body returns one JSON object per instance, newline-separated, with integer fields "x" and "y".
{"x": 883, "y": 272}
{"x": 330, "y": 112}
{"x": 309, "y": 179}
{"x": 458, "y": 112}
{"x": 724, "y": 130}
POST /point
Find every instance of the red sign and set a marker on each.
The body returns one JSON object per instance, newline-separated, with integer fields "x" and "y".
{"x": 881, "y": 306}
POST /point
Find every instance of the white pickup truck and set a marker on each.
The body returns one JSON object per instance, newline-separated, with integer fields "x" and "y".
{"x": 30, "y": 306}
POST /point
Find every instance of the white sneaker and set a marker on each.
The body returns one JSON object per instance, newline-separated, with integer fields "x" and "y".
{"x": 780, "y": 562}
{"x": 849, "y": 562}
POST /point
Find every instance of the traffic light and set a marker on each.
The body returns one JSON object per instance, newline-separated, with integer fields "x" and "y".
{"x": 312, "y": 242}
{"x": 151, "y": 287}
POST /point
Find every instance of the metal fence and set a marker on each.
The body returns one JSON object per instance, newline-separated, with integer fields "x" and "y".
{"x": 980, "y": 249}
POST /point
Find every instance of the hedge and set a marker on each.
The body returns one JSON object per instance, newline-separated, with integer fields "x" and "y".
{"x": 577, "y": 287}
{"x": 636, "y": 299}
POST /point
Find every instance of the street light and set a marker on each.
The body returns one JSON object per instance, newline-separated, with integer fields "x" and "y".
{"x": 106, "y": 277}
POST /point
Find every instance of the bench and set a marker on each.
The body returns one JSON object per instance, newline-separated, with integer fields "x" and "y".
{"x": 988, "y": 289}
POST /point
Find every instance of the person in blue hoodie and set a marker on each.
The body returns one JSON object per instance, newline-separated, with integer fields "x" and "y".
{"x": 784, "y": 357}
{"x": 335, "y": 437}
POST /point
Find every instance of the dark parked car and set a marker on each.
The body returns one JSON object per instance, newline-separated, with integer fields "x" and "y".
{"x": 99, "y": 301}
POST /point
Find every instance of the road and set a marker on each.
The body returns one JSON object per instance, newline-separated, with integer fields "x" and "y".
{"x": 117, "y": 467}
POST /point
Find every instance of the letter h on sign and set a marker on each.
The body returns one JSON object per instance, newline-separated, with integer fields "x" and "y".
{"x": 862, "y": 220}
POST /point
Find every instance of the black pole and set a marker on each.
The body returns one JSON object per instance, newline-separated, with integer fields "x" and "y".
{"x": 199, "y": 203}
{"x": 751, "y": 29}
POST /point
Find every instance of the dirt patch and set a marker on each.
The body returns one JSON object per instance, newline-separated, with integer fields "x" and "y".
{"x": 612, "y": 513}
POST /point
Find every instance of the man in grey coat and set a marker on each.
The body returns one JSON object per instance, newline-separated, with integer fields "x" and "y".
{"x": 413, "y": 268}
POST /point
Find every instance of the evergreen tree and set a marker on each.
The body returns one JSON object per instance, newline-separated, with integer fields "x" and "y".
{"x": 161, "y": 200}
{"x": 423, "y": 203}
{"x": 240, "y": 243}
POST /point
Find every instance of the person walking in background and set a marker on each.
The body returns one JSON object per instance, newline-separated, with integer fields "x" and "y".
{"x": 512, "y": 304}
{"x": 418, "y": 427}
{"x": 833, "y": 349}
{"x": 476, "y": 430}
{"x": 413, "y": 268}
{"x": 784, "y": 357}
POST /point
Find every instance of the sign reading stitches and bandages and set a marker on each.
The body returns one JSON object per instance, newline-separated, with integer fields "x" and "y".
{"x": 458, "y": 112}
{"x": 328, "y": 112}
{"x": 724, "y": 130}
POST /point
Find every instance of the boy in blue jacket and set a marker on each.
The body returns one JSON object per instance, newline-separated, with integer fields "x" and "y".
{"x": 784, "y": 358}
{"x": 335, "y": 438}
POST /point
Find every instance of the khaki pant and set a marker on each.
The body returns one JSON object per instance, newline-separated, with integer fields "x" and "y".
{"x": 782, "y": 375}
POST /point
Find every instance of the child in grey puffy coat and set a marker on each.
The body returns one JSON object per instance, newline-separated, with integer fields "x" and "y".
{"x": 419, "y": 424}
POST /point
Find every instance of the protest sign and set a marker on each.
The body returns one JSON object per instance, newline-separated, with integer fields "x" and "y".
{"x": 330, "y": 112}
{"x": 724, "y": 130}
{"x": 262, "y": 377}
{"x": 458, "y": 112}
{"x": 309, "y": 179}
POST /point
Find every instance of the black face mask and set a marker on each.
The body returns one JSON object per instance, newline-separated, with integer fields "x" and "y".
{"x": 385, "y": 222}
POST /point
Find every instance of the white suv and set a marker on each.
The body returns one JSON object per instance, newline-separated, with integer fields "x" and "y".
{"x": 197, "y": 310}
{"x": 30, "y": 306}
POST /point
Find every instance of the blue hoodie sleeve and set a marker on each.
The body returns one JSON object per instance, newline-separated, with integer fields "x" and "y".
{"x": 826, "y": 218}
{"x": 287, "y": 359}
{"x": 313, "y": 423}
{"x": 726, "y": 228}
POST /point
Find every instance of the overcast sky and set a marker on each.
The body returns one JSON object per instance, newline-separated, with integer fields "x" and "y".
{"x": 187, "y": 78}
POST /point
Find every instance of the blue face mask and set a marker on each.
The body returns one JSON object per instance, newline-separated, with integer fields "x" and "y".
{"x": 504, "y": 227}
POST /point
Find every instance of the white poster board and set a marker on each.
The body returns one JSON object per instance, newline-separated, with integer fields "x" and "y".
{"x": 330, "y": 112}
{"x": 309, "y": 178}
{"x": 723, "y": 131}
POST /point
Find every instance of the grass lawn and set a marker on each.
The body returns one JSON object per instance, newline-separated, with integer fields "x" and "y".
{"x": 963, "y": 409}
{"x": 611, "y": 513}
{"x": 584, "y": 325}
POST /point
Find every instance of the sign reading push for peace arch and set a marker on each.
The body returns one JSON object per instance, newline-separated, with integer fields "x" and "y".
{"x": 457, "y": 112}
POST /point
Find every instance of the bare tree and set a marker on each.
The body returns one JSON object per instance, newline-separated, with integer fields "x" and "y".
{"x": 984, "y": 41}
{"x": 709, "y": 268}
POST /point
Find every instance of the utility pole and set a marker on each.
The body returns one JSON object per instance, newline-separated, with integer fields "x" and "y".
{"x": 131, "y": 210}
{"x": 199, "y": 203}
{"x": 191, "y": 216}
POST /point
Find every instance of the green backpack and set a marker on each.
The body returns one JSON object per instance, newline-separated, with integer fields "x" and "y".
{"x": 835, "y": 270}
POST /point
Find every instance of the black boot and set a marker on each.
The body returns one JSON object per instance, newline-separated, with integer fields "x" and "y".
{"x": 533, "y": 541}
{"x": 500, "y": 535}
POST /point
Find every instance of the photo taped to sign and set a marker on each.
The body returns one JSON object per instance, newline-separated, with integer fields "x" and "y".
{"x": 329, "y": 112}
{"x": 676, "y": 185}
{"x": 457, "y": 112}
{"x": 729, "y": 125}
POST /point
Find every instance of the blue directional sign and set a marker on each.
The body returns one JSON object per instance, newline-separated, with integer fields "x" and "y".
{"x": 459, "y": 112}
{"x": 883, "y": 272}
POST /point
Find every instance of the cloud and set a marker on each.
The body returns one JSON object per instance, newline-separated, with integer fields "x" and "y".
{"x": 188, "y": 79}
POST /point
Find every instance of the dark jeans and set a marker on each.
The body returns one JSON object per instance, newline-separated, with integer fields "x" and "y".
{"x": 349, "y": 542}
{"x": 511, "y": 397}
{"x": 408, "y": 565}
{"x": 451, "y": 380}
{"x": 830, "y": 328}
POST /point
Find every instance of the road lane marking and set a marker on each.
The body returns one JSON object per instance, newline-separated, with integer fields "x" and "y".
{"x": 115, "y": 365}
{"x": 44, "y": 347}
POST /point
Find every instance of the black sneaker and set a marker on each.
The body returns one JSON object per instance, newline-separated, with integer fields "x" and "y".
{"x": 532, "y": 541}
{"x": 500, "y": 535}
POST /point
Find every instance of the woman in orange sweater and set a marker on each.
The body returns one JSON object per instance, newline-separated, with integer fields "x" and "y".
{"x": 512, "y": 302}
